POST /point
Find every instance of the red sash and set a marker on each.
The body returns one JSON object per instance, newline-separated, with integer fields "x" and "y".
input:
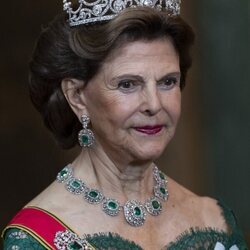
{"x": 39, "y": 223}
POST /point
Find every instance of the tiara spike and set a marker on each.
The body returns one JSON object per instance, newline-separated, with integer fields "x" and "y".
{"x": 103, "y": 10}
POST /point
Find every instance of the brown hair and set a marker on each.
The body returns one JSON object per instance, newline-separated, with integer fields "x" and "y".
{"x": 64, "y": 52}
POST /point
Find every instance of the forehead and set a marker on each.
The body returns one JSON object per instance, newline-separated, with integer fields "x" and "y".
{"x": 143, "y": 54}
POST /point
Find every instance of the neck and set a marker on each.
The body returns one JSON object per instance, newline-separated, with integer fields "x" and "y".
{"x": 123, "y": 181}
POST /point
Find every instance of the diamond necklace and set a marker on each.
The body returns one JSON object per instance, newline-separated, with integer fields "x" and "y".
{"x": 134, "y": 211}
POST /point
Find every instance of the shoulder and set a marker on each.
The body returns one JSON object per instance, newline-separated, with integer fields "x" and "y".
{"x": 54, "y": 199}
{"x": 47, "y": 196}
{"x": 205, "y": 215}
{"x": 212, "y": 213}
{"x": 196, "y": 210}
{"x": 32, "y": 228}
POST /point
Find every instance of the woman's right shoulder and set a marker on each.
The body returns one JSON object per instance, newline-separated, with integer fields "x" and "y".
{"x": 46, "y": 197}
{"x": 14, "y": 235}
{"x": 32, "y": 228}
{"x": 36, "y": 228}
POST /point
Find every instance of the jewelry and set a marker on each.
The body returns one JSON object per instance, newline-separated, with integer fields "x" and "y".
{"x": 85, "y": 137}
{"x": 103, "y": 10}
{"x": 65, "y": 240}
{"x": 134, "y": 211}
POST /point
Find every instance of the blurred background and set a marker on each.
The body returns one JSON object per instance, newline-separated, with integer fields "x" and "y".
{"x": 211, "y": 151}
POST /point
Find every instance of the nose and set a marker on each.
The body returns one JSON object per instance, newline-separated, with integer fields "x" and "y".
{"x": 151, "y": 100}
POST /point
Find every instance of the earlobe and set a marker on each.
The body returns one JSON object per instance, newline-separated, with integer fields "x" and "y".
{"x": 73, "y": 92}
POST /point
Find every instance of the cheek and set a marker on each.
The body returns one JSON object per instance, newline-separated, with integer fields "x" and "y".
{"x": 177, "y": 106}
{"x": 108, "y": 106}
{"x": 99, "y": 101}
{"x": 172, "y": 104}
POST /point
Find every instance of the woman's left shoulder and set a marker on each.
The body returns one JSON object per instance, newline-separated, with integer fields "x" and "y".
{"x": 212, "y": 213}
{"x": 205, "y": 217}
{"x": 208, "y": 211}
{"x": 201, "y": 210}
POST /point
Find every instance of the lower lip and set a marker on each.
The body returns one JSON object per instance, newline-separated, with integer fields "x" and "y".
{"x": 149, "y": 130}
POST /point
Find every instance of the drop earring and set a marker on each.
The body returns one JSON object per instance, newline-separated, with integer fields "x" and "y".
{"x": 86, "y": 137}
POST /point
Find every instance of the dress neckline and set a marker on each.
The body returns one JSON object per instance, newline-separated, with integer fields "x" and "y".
{"x": 192, "y": 232}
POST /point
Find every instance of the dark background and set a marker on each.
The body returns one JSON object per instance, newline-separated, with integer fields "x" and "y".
{"x": 211, "y": 151}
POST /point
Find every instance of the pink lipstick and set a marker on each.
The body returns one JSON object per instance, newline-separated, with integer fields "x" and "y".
{"x": 149, "y": 130}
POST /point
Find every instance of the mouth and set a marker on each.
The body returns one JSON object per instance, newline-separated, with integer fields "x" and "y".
{"x": 149, "y": 130}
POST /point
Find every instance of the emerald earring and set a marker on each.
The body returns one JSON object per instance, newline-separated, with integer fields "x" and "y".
{"x": 85, "y": 137}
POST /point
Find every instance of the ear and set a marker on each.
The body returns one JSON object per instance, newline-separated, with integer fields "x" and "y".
{"x": 73, "y": 92}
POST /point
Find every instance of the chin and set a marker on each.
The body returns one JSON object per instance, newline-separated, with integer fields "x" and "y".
{"x": 150, "y": 153}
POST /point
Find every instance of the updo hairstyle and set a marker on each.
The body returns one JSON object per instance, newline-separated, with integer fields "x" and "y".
{"x": 64, "y": 52}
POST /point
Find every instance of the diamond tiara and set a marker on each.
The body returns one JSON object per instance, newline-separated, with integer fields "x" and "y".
{"x": 103, "y": 10}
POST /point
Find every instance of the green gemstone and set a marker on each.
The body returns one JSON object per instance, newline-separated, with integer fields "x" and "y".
{"x": 162, "y": 176}
{"x": 163, "y": 190}
{"x": 137, "y": 211}
{"x": 75, "y": 184}
{"x": 155, "y": 204}
{"x": 93, "y": 194}
{"x": 85, "y": 139}
{"x": 112, "y": 205}
{"x": 63, "y": 173}
{"x": 74, "y": 245}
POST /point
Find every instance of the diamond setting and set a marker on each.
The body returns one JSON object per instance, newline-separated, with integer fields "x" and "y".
{"x": 161, "y": 192}
{"x": 93, "y": 196}
{"x": 111, "y": 207}
{"x": 67, "y": 240}
{"x": 159, "y": 176}
{"x": 64, "y": 174}
{"x": 103, "y": 10}
{"x": 86, "y": 138}
{"x": 75, "y": 186}
{"x": 153, "y": 206}
{"x": 135, "y": 213}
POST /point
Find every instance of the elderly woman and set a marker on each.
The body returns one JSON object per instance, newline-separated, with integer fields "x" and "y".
{"x": 112, "y": 81}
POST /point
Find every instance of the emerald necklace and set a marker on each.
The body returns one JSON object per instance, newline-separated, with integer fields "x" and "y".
{"x": 134, "y": 211}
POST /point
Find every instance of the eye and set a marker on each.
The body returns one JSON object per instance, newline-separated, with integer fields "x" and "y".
{"x": 169, "y": 82}
{"x": 127, "y": 85}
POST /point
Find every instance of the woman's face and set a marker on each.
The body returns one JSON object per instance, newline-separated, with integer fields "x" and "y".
{"x": 134, "y": 102}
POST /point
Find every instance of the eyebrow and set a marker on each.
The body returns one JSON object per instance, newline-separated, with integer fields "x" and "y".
{"x": 126, "y": 76}
{"x": 140, "y": 78}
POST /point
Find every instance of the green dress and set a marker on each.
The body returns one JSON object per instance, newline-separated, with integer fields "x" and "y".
{"x": 193, "y": 239}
